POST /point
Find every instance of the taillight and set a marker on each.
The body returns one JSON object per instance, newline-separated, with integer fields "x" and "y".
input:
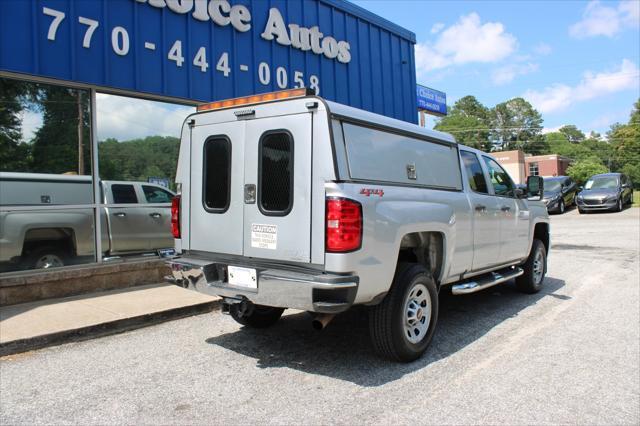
{"x": 175, "y": 216}
{"x": 343, "y": 225}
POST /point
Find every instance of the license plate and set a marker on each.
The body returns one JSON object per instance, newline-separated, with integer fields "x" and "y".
{"x": 166, "y": 252}
{"x": 242, "y": 277}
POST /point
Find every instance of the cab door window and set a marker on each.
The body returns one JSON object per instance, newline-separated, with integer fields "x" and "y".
{"x": 124, "y": 194}
{"x": 500, "y": 180}
{"x": 156, "y": 195}
{"x": 475, "y": 176}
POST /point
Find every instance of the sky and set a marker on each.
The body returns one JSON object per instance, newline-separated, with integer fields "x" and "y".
{"x": 577, "y": 62}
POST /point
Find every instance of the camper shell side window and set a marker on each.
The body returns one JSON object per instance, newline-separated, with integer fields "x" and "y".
{"x": 382, "y": 155}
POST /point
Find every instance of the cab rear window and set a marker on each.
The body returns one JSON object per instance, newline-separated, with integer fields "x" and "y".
{"x": 217, "y": 174}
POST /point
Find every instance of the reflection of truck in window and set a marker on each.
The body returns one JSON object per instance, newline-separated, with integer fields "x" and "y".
{"x": 43, "y": 222}
{"x": 298, "y": 202}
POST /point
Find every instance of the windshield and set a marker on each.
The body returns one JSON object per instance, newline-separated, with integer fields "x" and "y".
{"x": 552, "y": 185}
{"x": 602, "y": 183}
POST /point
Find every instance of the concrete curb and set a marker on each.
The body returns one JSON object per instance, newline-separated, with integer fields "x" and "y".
{"x": 105, "y": 329}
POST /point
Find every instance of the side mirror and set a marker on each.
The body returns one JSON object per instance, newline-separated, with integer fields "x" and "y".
{"x": 535, "y": 187}
{"x": 580, "y": 188}
{"x": 519, "y": 193}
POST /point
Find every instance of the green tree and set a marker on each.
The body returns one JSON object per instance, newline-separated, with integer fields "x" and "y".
{"x": 468, "y": 121}
{"x": 517, "y": 125}
{"x": 625, "y": 143}
{"x": 56, "y": 142}
{"x": 14, "y": 154}
{"x": 573, "y": 134}
{"x": 139, "y": 159}
{"x": 582, "y": 170}
{"x": 558, "y": 143}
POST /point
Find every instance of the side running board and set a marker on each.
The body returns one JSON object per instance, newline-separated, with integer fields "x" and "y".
{"x": 486, "y": 281}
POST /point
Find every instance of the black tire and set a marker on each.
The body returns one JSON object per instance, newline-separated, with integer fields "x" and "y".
{"x": 620, "y": 205}
{"x": 388, "y": 323}
{"x": 256, "y": 316}
{"x": 46, "y": 257}
{"x": 561, "y": 207}
{"x": 531, "y": 281}
{"x": 581, "y": 211}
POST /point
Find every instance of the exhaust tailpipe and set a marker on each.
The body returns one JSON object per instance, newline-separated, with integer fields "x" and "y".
{"x": 320, "y": 321}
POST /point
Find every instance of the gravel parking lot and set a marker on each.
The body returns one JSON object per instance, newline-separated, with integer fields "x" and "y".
{"x": 569, "y": 354}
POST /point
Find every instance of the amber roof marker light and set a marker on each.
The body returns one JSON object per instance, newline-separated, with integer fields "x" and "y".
{"x": 256, "y": 99}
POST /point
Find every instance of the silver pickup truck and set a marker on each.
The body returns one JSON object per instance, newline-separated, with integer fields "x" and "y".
{"x": 287, "y": 200}
{"x": 41, "y": 225}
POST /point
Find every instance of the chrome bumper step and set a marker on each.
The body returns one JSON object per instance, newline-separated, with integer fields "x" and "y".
{"x": 486, "y": 281}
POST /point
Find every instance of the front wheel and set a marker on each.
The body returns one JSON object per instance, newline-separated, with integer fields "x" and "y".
{"x": 561, "y": 207}
{"x": 534, "y": 269}
{"x": 620, "y": 205}
{"x": 256, "y": 316}
{"x": 402, "y": 325}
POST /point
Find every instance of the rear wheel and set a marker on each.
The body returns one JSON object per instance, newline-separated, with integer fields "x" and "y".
{"x": 256, "y": 316}
{"x": 47, "y": 257}
{"x": 534, "y": 269}
{"x": 402, "y": 325}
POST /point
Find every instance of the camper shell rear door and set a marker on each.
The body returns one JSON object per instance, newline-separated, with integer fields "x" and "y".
{"x": 250, "y": 182}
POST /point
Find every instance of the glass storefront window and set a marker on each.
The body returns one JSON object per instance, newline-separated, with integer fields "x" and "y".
{"x": 47, "y": 208}
{"x": 46, "y": 191}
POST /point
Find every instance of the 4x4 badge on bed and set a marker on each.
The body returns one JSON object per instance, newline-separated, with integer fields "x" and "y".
{"x": 369, "y": 192}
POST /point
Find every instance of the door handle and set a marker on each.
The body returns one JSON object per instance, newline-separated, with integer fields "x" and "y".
{"x": 120, "y": 214}
{"x": 481, "y": 208}
{"x": 155, "y": 215}
{"x": 505, "y": 208}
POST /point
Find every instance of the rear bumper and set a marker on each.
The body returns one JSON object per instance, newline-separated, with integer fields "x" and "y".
{"x": 314, "y": 292}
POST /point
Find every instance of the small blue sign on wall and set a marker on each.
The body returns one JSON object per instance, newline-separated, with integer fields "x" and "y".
{"x": 162, "y": 181}
{"x": 431, "y": 101}
{"x": 207, "y": 50}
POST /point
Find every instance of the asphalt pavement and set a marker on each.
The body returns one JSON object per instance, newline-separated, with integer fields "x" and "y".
{"x": 570, "y": 354}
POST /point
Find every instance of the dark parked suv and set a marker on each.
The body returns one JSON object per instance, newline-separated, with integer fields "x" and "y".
{"x": 559, "y": 193}
{"x": 608, "y": 191}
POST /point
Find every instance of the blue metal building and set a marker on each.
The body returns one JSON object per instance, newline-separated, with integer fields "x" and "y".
{"x": 201, "y": 50}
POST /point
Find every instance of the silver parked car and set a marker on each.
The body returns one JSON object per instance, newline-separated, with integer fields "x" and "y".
{"x": 608, "y": 192}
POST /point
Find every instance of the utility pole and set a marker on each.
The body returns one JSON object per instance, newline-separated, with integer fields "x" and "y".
{"x": 80, "y": 144}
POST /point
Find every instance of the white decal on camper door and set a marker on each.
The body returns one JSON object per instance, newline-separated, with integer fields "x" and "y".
{"x": 264, "y": 236}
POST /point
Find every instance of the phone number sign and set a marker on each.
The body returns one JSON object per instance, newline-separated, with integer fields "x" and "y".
{"x": 431, "y": 100}
{"x": 207, "y": 50}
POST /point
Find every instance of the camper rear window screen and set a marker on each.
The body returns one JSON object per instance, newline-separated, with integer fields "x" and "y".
{"x": 276, "y": 173}
{"x": 217, "y": 174}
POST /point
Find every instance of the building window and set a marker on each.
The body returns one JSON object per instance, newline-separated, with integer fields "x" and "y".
{"x": 533, "y": 169}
